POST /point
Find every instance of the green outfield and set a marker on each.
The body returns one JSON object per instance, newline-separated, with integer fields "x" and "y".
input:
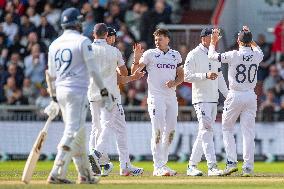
{"x": 267, "y": 175}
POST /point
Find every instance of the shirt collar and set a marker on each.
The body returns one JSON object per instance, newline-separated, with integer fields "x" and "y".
{"x": 203, "y": 48}
{"x": 243, "y": 48}
{"x": 100, "y": 41}
{"x": 71, "y": 31}
{"x": 160, "y": 51}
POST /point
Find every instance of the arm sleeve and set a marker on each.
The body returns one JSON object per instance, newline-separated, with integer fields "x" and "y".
{"x": 120, "y": 62}
{"x": 179, "y": 60}
{"x": 189, "y": 70}
{"x": 51, "y": 65}
{"x": 89, "y": 59}
{"x": 222, "y": 86}
{"x": 221, "y": 57}
{"x": 145, "y": 58}
{"x": 259, "y": 53}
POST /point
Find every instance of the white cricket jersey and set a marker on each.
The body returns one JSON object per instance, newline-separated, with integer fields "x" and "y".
{"x": 196, "y": 66}
{"x": 243, "y": 66}
{"x": 161, "y": 68}
{"x": 67, "y": 61}
{"x": 107, "y": 58}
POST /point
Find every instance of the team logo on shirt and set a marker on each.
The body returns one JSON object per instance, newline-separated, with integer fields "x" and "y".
{"x": 90, "y": 47}
{"x": 157, "y": 56}
{"x": 169, "y": 66}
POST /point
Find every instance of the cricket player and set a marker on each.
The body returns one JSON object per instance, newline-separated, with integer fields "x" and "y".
{"x": 109, "y": 58}
{"x": 164, "y": 74}
{"x": 95, "y": 105}
{"x": 206, "y": 78}
{"x": 70, "y": 64}
{"x": 241, "y": 99}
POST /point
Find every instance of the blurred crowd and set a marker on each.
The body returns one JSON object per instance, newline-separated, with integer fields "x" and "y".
{"x": 29, "y": 26}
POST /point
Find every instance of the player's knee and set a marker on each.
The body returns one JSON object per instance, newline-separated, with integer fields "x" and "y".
{"x": 171, "y": 137}
{"x": 157, "y": 136}
{"x": 205, "y": 123}
{"x": 66, "y": 143}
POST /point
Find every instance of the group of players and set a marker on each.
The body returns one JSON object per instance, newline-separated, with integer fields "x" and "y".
{"x": 85, "y": 73}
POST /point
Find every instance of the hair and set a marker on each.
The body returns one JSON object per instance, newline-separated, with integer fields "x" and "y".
{"x": 245, "y": 44}
{"x": 163, "y": 32}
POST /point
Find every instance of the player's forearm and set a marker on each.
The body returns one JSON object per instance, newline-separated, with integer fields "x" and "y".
{"x": 222, "y": 85}
{"x": 123, "y": 70}
{"x": 50, "y": 84}
{"x": 212, "y": 54}
{"x": 125, "y": 79}
{"x": 190, "y": 77}
{"x": 180, "y": 77}
{"x": 134, "y": 67}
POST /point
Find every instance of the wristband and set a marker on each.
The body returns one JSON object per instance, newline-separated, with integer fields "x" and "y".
{"x": 54, "y": 99}
{"x": 104, "y": 92}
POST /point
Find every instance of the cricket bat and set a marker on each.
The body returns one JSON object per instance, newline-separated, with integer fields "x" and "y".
{"x": 35, "y": 153}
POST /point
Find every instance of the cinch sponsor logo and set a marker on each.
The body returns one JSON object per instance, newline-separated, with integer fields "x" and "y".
{"x": 166, "y": 66}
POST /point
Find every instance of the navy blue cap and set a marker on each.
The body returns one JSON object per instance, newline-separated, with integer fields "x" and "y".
{"x": 245, "y": 36}
{"x": 205, "y": 32}
{"x": 111, "y": 31}
{"x": 71, "y": 17}
{"x": 100, "y": 29}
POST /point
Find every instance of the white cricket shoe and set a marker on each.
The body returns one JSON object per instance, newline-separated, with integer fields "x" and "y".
{"x": 88, "y": 180}
{"x": 214, "y": 171}
{"x": 193, "y": 171}
{"x": 164, "y": 171}
{"x": 131, "y": 170}
{"x": 231, "y": 167}
{"x": 55, "y": 180}
{"x": 106, "y": 169}
{"x": 247, "y": 172}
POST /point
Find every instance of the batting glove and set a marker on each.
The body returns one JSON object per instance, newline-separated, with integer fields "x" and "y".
{"x": 52, "y": 109}
{"x": 107, "y": 99}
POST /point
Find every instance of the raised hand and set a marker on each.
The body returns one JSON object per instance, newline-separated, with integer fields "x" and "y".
{"x": 138, "y": 51}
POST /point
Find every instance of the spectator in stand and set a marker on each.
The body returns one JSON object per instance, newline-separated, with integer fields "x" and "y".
{"x": 16, "y": 60}
{"x": 35, "y": 66}
{"x": 46, "y": 31}
{"x": 10, "y": 28}
{"x": 124, "y": 35}
{"x": 29, "y": 91}
{"x": 33, "y": 16}
{"x": 4, "y": 57}
{"x": 277, "y": 47}
{"x": 111, "y": 22}
{"x": 88, "y": 25}
{"x": 115, "y": 12}
{"x": 264, "y": 65}
{"x": 3, "y": 41}
{"x": 131, "y": 99}
{"x": 272, "y": 79}
{"x": 269, "y": 106}
{"x": 151, "y": 19}
{"x": 280, "y": 67}
{"x": 98, "y": 11}
{"x": 32, "y": 40}
{"x": 16, "y": 72}
{"x": 26, "y": 26}
{"x": 52, "y": 15}
{"x": 42, "y": 100}
{"x": 279, "y": 89}
{"x": 10, "y": 9}
{"x": 133, "y": 19}
{"x": 13, "y": 94}
{"x": 18, "y": 47}
{"x": 281, "y": 111}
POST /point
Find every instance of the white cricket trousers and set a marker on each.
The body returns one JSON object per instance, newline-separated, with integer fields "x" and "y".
{"x": 95, "y": 107}
{"x": 243, "y": 104}
{"x": 72, "y": 145}
{"x": 163, "y": 111}
{"x": 114, "y": 121}
{"x": 206, "y": 115}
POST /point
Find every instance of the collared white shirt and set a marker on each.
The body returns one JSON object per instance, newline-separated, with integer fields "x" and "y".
{"x": 161, "y": 67}
{"x": 107, "y": 59}
{"x": 196, "y": 66}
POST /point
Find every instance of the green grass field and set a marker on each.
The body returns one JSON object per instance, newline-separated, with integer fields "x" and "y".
{"x": 267, "y": 175}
